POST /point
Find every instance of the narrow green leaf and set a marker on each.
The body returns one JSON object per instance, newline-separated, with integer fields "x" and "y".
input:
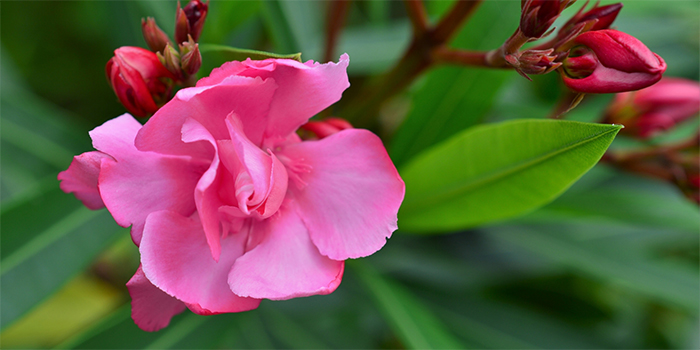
{"x": 289, "y": 332}
{"x": 38, "y": 267}
{"x": 228, "y": 53}
{"x": 497, "y": 171}
{"x": 278, "y": 27}
{"x": 616, "y": 264}
{"x": 413, "y": 322}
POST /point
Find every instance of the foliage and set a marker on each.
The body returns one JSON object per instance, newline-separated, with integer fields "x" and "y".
{"x": 610, "y": 263}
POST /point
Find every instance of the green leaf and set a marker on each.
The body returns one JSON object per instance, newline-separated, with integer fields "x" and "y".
{"x": 618, "y": 264}
{"x": 455, "y": 98}
{"x": 413, "y": 322}
{"x": 215, "y": 55}
{"x": 47, "y": 251}
{"x": 497, "y": 171}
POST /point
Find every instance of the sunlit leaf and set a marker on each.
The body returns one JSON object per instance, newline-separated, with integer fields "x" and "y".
{"x": 493, "y": 172}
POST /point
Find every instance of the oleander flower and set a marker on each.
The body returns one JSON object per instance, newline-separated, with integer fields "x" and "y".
{"x": 226, "y": 203}
{"x": 609, "y": 61}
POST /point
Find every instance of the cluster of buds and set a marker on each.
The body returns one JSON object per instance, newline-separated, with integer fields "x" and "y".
{"x": 591, "y": 57}
{"x": 678, "y": 164}
{"x": 326, "y": 127}
{"x": 144, "y": 80}
{"x": 658, "y": 108}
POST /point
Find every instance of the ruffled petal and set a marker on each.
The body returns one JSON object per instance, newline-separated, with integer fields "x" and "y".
{"x": 260, "y": 178}
{"x": 151, "y": 308}
{"x": 134, "y": 184}
{"x": 304, "y": 89}
{"x": 207, "y": 194}
{"x": 81, "y": 179}
{"x": 209, "y": 106}
{"x": 176, "y": 258}
{"x": 348, "y": 194}
{"x": 285, "y": 264}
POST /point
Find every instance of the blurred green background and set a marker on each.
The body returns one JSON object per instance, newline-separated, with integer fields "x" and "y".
{"x": 613, "y": 263}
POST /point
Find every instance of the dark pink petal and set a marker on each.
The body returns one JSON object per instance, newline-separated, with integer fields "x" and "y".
{"x": 304, "y": 89}
{"x": 347, "y": 190}
{"x": 285, "y": 264}
{"x": 151, "y": 308}
{"x": 175, "y": 256}
{"x": 209, "y": 106}
{"x": 134, "y": 184}
{"x": 81, "y": 179}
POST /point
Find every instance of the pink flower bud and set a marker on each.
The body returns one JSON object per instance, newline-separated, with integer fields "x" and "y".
{"x": 139, "y": 80}
{"x": 609, "y": 61}
{"x": 647, "y": 112}
{"x": 155, "y": 37}
{"x": 190, "y": 20}
{"x": 326, "y": 127}
{"x": 538, "y": 15}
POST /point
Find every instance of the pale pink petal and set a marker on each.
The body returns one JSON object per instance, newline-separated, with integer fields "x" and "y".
{"x": 176, "y": 258}
{"x": 208, "y": 106}
{"x": 349, "y": 194}
{"x": 285, "y": 264}
{"x": 133, "y": 184}
{"x": 304, "y": 89}
{"x": 81, "y": 179}
{"x": 151, "y": 308}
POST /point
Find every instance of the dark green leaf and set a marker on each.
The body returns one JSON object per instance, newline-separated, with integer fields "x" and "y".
{"x": 34, "y": 268}
{"x": 413, "y": 322}
{"x": 493, "y": 172}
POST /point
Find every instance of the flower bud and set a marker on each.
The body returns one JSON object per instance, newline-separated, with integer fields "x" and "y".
{"x": 603, "y": 17}
{"x": 609, "y": 61}
{"x": 326, "y": 127}
{"x": 191, "y": 58}
{"x": 155, "y": 37}
{"x": 170, "y": 59}
{"x": 660, "y": 107}
{"x": 535, "y": 62}
{"x": 139, "y": 80}
{"x": 190, "y": 20}
{"x": 538, "y": 15}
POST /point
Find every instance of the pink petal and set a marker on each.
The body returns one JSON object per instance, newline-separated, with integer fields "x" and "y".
{"x": 257, "y": 174}
{"x": 304, "y": 89}
{"x": 209, "y": 106}
{"x": 207, "y": 194}
{"x": 176, "y": 258}
{"x": 349, "y": 196}
{"x": 285, "y": 264}
{"x": 134, "y": 184}
{"x": 81, "y": 179}
{"x": 151, "y": 308}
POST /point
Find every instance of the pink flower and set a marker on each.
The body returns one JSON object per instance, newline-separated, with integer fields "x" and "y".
{"x": 660, "y": 107}
{"x": 608, "y": 61}
{"x": 227, "y": 205}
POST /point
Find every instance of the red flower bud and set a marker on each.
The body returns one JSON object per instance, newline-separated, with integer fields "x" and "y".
{"x": 647, "y": 112}
{"x": 604, "y": 17}
{"x": 326, "y": 127}
{"x": 191, "y": 59}
{"x": 538, "y": 15}
{"x": 190, "y": 20}
{"x": 139, "y": 80}
{"x": 155, "y": 37}
{"x": 611, "y": 61}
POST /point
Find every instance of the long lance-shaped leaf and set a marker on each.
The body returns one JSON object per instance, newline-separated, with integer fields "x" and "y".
{"x": 498, "y": 171}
